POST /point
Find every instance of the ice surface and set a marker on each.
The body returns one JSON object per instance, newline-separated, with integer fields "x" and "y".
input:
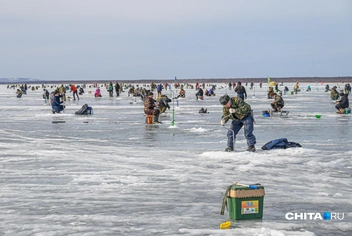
{"x": 111, "y": 174}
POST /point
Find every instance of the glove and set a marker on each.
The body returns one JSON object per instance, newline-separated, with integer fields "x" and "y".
{"x": 222, "y": 122}
{"x": 232, "y": 110}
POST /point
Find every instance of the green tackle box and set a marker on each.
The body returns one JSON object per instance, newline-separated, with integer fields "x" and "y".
{"x": 246, "y": 202}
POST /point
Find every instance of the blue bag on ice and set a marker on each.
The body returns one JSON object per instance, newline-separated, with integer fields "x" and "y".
{"x": 281, "y": 143}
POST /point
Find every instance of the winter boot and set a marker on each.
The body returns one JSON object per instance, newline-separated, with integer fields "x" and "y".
{"x": 229, "y": 149}
{"x": 251, "y": 148}
{"x": 156, "y": 120}
{"x": 340, "y": 111}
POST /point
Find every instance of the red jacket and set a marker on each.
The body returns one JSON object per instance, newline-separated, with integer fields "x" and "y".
{"x": 73, "y": 88}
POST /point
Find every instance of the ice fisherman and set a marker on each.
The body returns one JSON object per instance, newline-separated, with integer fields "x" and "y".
{"x": 62, "y": 91}
{"x": 210, "y": 92}
{"x": 240, "y": 112}
{"x": 347, "y": 88}
{"x": 45, "y": 95}
{"x": 19, "y": 93}
{"x": 97, "y": 92}
{"x": 182, "y": 93}
{"x": 57, "y": 103}
{"x": 163, "y": 101}
{"x": 111, "y": 89}
{"x": 342, "y": 104}
{"x": 74, "y": 91}
{"x": 159, "y": 89}
{"x": 327, "y": 88}
{"x": 117, "y": 89}
{"x": 296, "y": 87}
{"x": 241, "y": 91}
{"x": 278, "y": 103}
{"x": 150, "y": 107}
{"x": 271, "y": 92}
{"x": 200, "y": 94}
{"x": 334, "y": 95}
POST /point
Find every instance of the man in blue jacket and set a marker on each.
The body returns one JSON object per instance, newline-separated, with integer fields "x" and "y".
{"x": 56, "y": 104}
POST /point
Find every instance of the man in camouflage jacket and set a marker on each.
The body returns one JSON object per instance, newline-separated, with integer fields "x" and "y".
{"x": 149, "y": 106}
{"x": 278, "y": 103}
{"x": 240, "y": 113}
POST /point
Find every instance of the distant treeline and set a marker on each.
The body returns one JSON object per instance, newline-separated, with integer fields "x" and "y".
{"x": 339, "y": 79}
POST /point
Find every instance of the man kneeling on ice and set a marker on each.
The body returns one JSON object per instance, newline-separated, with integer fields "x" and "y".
{"x": 56, "y": 104}
{"x": 240, "y": 112}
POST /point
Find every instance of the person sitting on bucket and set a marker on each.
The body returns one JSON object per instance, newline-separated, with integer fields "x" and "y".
{"x": 149, "y": 107}
{"x": 278, "y": 103}
{"x": 342, "y": 104}
{"x": 240, "y": 112}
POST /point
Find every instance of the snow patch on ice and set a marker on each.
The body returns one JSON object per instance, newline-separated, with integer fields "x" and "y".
{"x": 197, "y": 130}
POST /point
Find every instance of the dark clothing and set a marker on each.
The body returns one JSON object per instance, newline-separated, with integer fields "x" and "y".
{"x": 343, "y": 103}
{"x": 117, "y": 89}
{"x": 200, "y": 93}
{"x": 47, "y": 94}
{"x": 56, "y": 104}
{"x": 241, "y": 92}
{"x": 19, "y": 93}
{"x": 163, "y": 103}
{"x": 281, "y": 143}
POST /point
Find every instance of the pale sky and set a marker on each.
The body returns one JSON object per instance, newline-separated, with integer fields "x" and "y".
{"x": 161, "y": 39}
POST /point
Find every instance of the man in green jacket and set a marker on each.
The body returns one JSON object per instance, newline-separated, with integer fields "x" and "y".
{"x": 240, "y": 112}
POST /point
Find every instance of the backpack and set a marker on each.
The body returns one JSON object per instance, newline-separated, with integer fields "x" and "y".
{"x": 85, "y": 109}
{"x": 280, "y": 143}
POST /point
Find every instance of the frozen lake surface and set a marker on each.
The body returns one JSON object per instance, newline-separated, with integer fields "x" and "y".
{"x": 111, "y": 174}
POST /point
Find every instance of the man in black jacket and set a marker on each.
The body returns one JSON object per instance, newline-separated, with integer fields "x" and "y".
{"x": 241, "y": 91}
{"x": 342, "y": 103}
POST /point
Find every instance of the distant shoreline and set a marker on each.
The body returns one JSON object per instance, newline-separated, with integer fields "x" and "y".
{"x": 341, "y": 79}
